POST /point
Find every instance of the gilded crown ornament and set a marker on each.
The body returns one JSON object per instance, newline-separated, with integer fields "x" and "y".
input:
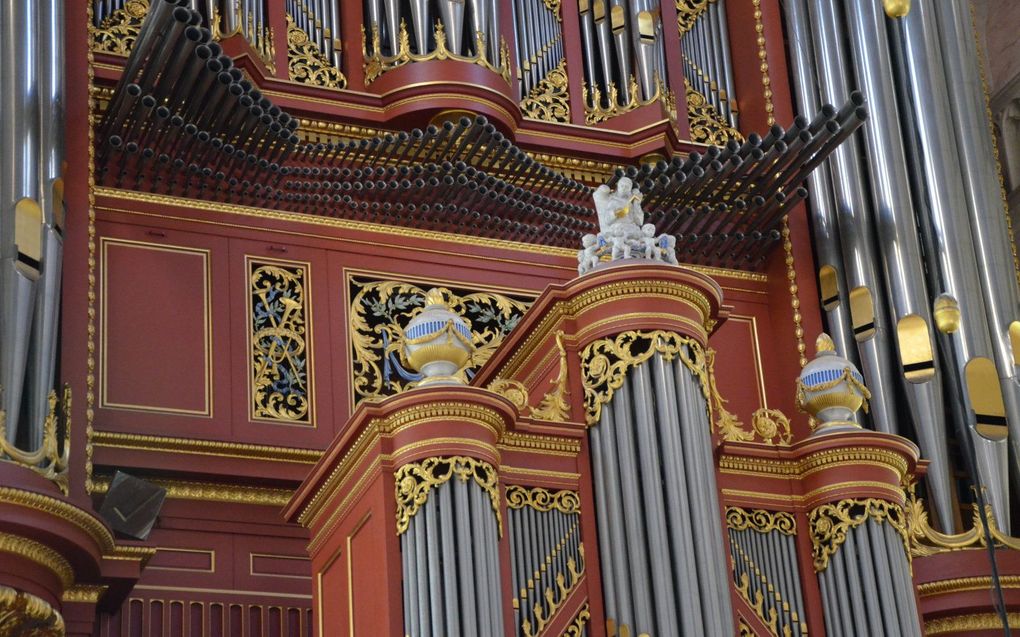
{"x": 831, "y": 389}
{"x": 622, "y": 231}
{"x": 438, "y": 341}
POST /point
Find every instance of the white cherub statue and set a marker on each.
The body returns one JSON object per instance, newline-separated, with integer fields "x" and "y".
{"x": 587, "y": 257}
{"x": 619, "y": 210}
{"x": 649, "y": 242}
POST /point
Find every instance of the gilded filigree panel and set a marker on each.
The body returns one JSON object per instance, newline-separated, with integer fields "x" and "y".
{"x": 279, "y": 341}
{"x": 381, "y": 309}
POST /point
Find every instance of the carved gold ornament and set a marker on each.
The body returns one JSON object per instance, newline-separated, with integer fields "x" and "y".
{"x": 379, "y": 312}
{"x": 376, "y": 63}
{"x": 280, "y": 352}
{"x": 554, "y": 406}
{"x": 49, "y": 460}
{"x": 307, "y": 64}
{"x": 414, "y": 482}
{"x": 549, "y": 101}
{"x": 599, "y": 108}
{"x": 545, "y": 609}
{"x": 830, "y": 524}
{"x": 119, "y": 30}
{"x": 576, "y": 627}
{"x": 761, "y": 521}
{"x": 564, "y": 501}
{"x": 969, "y": 624}
{"x": 512, "y": 390}
{"x": 25, "y": 614}
{"x": 707, "y": 125}
{"x": 605, "y": 363}
{"x": 688, "y": 12}
{"x": 40, "y": 554}
{"x": 925, "y": 541}
{"x": 756, "y": 601}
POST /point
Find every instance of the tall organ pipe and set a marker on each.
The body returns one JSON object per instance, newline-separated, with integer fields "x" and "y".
{"x": 823, "y": 216}
{"x": 949, "y": 230}
{"x": 987, "y": 215}
{"x": 899, "y": 244}
{"x": 43, "y": 345}
{"x": 855, "y": 222}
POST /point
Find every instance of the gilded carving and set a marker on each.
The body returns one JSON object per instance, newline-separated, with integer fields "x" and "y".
{"x": 830, "y": 524}
{"x": 761, "y": 521}
{"x": 379, "y": 312}
{"x": 605, "y": 363}
{"x": 281, "y": 389}
{"x": 554, "y": 406}
{"x": 546, "y": 607}
{"x": 512, "y": 390}
{"x": 212, "y": 492}
{"x": 564, "y": 501}
{"x": 969, "y": 624}
{"x": 549, "y": 101}
{"x": 769, "y": 617}
{"x": 414, "y": 482}
{"x": 307, "y": 64}
{"x": 84, "y": 593}
{"x": 791, "y": 271}
{"x": 38, "y": 553}
{"x": 49, "y": 460}
{"x": 925, "y": 541}
{"x": 119, "y": 30}
{"x": 757, "y": 603}
{"x": 707, "y": 125}
{"x": 576, "y": 626}
{"x": 22, "y": 613}
{"x": 766, "y": 81}
{"x": 376, "y": 63}
{"x": 599, "y": 108}
{"x": 688, "y": 12}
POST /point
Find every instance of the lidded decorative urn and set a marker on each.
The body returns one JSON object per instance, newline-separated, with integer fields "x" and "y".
{"x": 831, "y": 389}
{"x": 438, "y": 341}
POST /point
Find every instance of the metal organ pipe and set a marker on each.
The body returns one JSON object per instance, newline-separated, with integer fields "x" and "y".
{"x": 949, "y": 231}
{"x": 855, "y": 224}
{"x": 900, "y": 248}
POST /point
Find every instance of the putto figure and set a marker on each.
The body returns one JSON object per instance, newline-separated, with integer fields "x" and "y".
{"x": 623, "y": 233}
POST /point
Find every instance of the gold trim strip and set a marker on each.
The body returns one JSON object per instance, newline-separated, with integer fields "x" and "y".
{"x": 143, "y": 442}
{"x": 964, "y": 584}
{"x": 40, "y": 554}
{"x": 211, "y": 492}
{"x": 966, "y": 624}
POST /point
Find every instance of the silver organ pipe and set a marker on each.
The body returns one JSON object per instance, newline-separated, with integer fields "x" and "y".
{"x": 707, "y": 60}
{"x": 320, "y": 20}
{"x": 539, "y": 44}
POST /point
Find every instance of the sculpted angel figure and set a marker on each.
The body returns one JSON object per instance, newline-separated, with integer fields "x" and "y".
{"x": 619, "y": 210}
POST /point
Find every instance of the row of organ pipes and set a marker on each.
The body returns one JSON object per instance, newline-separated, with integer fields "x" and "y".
{"x": 539, "y": 42}
{"x": 621, "y": 41}
{"x": 320, "y": 19}
{"x": 31, "y": 212}
{"x": 462, "y": 20}
{"x": 708, "y": 65}
{"x": 247, "y": 17}
{"x": 900, "y": 229}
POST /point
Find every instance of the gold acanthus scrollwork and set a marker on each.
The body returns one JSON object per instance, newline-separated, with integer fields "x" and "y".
{"x": 969, "y": 624}
{"x": 576, "y": 627}
{"x": 280, "y": 353}
{"x": 744, "y": 630}
{"x": 549, "y": 101}
{"x": 925, "y": 541}
{"x": 414, "y": 481}
{"x": 512, "y": 390}
{"x": 379, "y": 311}
{"x": 757, "y": 601}
{"x": 605, "y": 363}
{"x": 119, "y": 30}
{"x": 22, "y": 613}
{"x": 688, "y": 12}
{"x": 376, "y": 63}
{"x": 707, "y": 125}
{"x": 830, "y": 524}
{"x": 307, "y": 64}
{"x": 49, "y": 460}
{"x": 540, "y": 499}
{"x": 597, "y": 110}
{"x": 761, "y": 521}
{"x": 554, "y": 406}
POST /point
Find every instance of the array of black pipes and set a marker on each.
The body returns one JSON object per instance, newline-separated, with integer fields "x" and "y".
{"x": 234, "y": 145}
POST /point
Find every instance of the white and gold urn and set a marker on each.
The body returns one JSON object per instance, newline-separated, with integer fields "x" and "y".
{"x": 438, "y": 341}
{"x": 831, "y": 389}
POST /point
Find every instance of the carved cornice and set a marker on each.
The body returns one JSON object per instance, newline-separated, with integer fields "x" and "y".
{"x": 143, "y": 442}
{"x": 967, "y": 624}
{"x": 25, "y": 614}
{"x": 964, "y": 584}
{"x": 40, "y": 554}
{"x": 62, "y": 510}
{"x": 212, "y": 492}
{"x": 795, "y": 468}
{"x": 550, "y": 445}
{"x": 84, "y": 593}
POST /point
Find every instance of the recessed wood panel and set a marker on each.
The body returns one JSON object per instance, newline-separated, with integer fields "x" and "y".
{"x": 155, "y": 332}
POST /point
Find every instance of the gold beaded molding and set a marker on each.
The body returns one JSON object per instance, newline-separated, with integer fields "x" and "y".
{"x": 605, "y": 363}
{"x": 766, "y": 82}
{"x": 830, "y": 524}
{"x": 761, "y": 521}
{"x": 565, "y": 501}
{"x": 791, "y": 276}
{"x": 25, "y": 614}
{"x": 416, "y": 480}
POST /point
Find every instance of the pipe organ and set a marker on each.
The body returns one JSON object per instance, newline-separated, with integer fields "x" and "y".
{"x": 471, "y": 318}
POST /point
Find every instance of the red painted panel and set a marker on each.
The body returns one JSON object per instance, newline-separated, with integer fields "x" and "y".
{"x": 156, "y": 328}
